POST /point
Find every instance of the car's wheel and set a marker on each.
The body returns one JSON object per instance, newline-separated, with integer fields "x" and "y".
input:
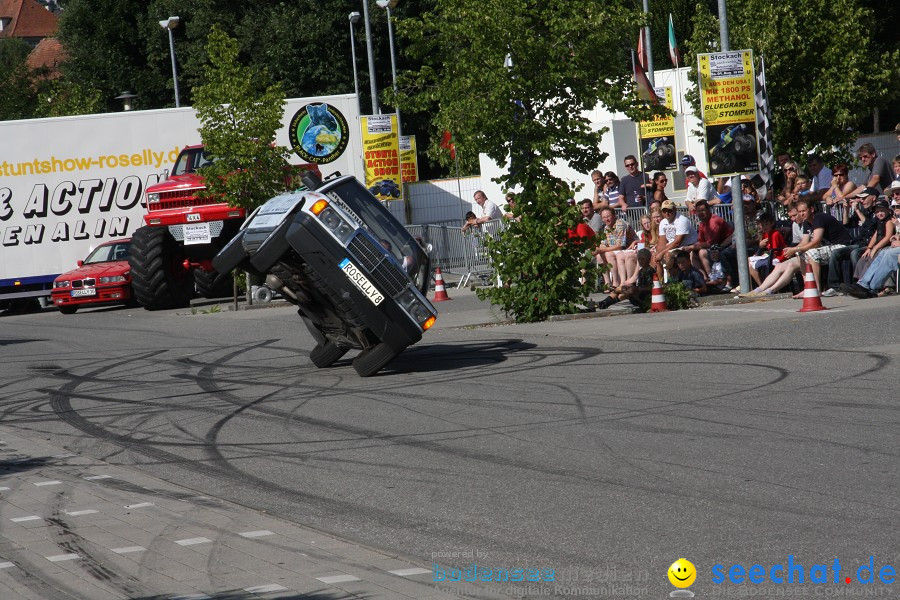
{"x": 158, "y": 276}
{"x": 369, "y": 362}
{"x": 325, "y": 355}
{"x": 68, "y": 310}
{"x": 207, "y": 286}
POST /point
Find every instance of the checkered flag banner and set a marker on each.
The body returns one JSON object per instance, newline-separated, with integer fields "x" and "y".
{"x": 766, "y": 155}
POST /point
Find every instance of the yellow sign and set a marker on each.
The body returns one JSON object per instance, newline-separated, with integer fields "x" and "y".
{"x": 728, "y": 105}
{"x": 381, "y": 155}
{"x": 409, "y": 162}
{"x": 657, "y": 137}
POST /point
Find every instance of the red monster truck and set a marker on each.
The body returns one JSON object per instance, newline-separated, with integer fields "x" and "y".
{"x": 172, "y": 254}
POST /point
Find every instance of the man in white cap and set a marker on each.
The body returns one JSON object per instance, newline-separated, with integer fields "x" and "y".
{"x": 697, "y": 188}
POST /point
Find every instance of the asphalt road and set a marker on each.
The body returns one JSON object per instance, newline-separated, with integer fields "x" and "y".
{"x": 602, "y": 449}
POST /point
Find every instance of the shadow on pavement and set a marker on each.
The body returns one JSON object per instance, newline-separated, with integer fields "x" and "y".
{"x": 245, "y": 595}
{"x": 448, "y": 357}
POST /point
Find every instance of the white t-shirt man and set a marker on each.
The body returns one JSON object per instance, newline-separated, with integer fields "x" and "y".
{"x": 484, "y": 209}
{"x": 680, "y": 225}
{"x": 702, "y": 191}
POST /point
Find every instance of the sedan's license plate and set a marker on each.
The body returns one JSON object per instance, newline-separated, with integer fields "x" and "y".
{"x": 361, "y": 281}
{"x": 84, "y": 292}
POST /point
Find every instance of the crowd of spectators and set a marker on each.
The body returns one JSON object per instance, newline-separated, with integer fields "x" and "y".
{"x": 813, "y": 215}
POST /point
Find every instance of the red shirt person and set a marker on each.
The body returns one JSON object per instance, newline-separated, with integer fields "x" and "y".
{"x": 712, "y": 231}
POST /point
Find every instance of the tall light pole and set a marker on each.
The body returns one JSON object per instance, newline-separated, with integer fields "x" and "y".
{"x": 170, "y": 24}
{"x": 374, "y": 89}
{"x": 354, "y": 19}
{"x": 388, "y": 5}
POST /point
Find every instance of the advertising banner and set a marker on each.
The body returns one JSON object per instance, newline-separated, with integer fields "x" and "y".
{"x": 381, "y": 156}
{"x": 729, "y": 111}
{"x": 657, "y": 137}
{"x": 409, "y": 161}
{"x": 69, "y": 183}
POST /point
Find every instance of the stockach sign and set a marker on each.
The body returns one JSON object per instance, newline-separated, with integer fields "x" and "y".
{"x": 381, "y": 156}
{"x": 318, "y": 133}
{"x": 657, "y": 137}
{"x": 728, "y": 108}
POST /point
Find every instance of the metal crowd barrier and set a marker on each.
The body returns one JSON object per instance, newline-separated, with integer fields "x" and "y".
{"x": 457, "y": 252}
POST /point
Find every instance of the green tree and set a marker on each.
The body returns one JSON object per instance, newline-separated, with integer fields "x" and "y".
{"x": 822, "y": 76}
{"x": 239, "y": 113}
{"x": 516, "y": 80}
{"x": 63, "y": 97}
{"x": 17, "y": 92}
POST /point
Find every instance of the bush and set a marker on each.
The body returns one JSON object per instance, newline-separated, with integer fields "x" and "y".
{"x": 678, "y": 296}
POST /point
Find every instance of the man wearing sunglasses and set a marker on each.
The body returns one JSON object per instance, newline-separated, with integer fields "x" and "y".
{"x": 633, "y": 185}
{"x": 880, "y": 173}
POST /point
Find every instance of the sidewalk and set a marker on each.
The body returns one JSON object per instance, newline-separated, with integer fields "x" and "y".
{"x": 76, "y": 528}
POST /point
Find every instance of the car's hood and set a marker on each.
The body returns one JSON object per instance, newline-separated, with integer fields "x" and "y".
{"x": 96, "y": 270}
{"x": 177, "y": 182}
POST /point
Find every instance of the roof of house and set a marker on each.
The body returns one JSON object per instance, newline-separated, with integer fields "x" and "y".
{"x": 28, "y": 19}
{"x": 48, "y": 53}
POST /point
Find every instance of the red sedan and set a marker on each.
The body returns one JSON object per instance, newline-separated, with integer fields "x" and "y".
{"x": 102, "y": 278}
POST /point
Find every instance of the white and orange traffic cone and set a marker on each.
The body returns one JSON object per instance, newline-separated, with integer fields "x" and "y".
{"x": 658, "y": 298}
{"x": 812, "y": 301}
{"x": 440, "y": 294}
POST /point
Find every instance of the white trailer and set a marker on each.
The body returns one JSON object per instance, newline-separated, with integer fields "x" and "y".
{"x": 69, "y": 183}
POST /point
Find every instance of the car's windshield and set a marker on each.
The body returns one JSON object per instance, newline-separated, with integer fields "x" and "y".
{"x": 107, "y": 253}
{"x": 385, "y": 228}
{"x": 190, "y": 160}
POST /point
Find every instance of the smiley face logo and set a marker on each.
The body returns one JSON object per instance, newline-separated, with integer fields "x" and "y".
{"x": 682, "y": 573}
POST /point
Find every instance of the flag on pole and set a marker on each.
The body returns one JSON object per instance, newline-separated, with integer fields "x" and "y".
{"x": 642, "y": 50}
{"x": 673, "y": 45}
{"x": 642, "y": 83}
{"x": 447, "y": 143}
{"x": 766, "y": 154}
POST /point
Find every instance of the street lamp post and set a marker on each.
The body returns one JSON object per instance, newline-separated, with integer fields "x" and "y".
{"x": 170, "y": 24}
{"x": 354, "y": 18}
{"x": 374, "y": 89}
{"x": 388, "y": 5}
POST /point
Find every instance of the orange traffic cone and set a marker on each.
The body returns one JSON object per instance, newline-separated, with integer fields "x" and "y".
{"x": 658, "y": 299}
{"x": 811, "y": 299}
{"x": 440, "y": 294}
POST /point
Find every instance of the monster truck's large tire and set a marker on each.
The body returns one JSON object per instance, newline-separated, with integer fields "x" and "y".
{"x": 369, "y": 362}
{"x": 325, "y": 355}
{"x": 207, "y": 287}
{"x": 158, "y": 277}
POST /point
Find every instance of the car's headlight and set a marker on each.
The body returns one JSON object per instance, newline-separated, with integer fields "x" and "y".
{"x": 336, "y": 223}
{"x": 411, "y": 304}
{"x": 61, "y": 284}
{"x": 112, "y": 279}
{"x": 152, "y": 197}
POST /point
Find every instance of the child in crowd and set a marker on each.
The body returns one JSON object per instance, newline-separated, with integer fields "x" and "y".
{"x": 688, "y": 274}
{"x": 715, "y": 281}
{"x": 637, "y": 288}
{"x": 471, "y": 221}
{"x": 771, "y": 242}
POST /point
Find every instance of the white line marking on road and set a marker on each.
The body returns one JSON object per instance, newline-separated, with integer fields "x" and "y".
{"x": 6, "y": 565}
{"x": 4, "y": 489}
{"x": 62, "y": 557}
{"x": 408, "y": 572}
{"x": 128, "y": 549}
{"x": 256, "y": 534}
{"x": 193, "y": 541}
{"x": 63, "y": 455}
{"x": 43, "y": 483}
{"x": 191, "y": 597}
{"x": 23, "y": 519}
{"x": 96, "y": 477}
{"x": 141, "y": 505}
{"x": 262, "y": 589}
{"x": 78, "y": 513}
{"x": 338, "y": 579}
